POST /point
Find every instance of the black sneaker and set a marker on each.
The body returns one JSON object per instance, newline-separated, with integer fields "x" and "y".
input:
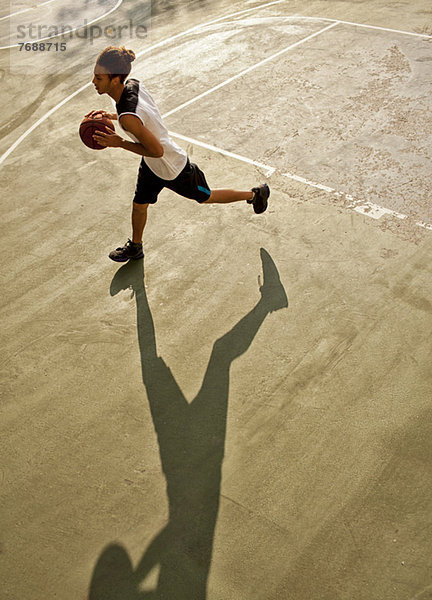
{"x": 129, "y": 251}
{"x": 260, "y": 198}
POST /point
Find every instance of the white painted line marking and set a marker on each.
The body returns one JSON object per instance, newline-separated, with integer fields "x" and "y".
{"x": 386, "y": 29}
{"x": 23, "y": 10}
{"x": 267, "y": 169}
{"x": 162, "y": 43}
{"x": 4, "y": 156}
{"x": 422, "y": 35}
{"x": 69, "y": 31}
{"x": 248, "y": 70}
{"x": 425, "y": 225}
{"x": 240, "y": 12}
{"x": 39, "y": 121}
{"x": 203, "y": 25}
{"x": 376, "y": 212}
{"x": 325, "y": 188}
{"x": 368, "y": 209}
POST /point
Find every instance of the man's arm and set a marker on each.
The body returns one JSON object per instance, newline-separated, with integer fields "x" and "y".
{"x": 148, "y": 144}
{"x": 103, "y": 113}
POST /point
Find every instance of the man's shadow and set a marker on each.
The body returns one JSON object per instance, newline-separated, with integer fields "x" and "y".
{"x": 191, "y": 439}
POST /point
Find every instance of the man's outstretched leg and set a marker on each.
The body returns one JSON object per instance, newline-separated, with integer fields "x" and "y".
{"x": 258, "y": 197}
{"x": 133, "y": 248}
{"x": 228, "y": 196}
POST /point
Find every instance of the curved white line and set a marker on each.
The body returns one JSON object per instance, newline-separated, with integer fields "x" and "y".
{"x": 299, "y": 17}
{"x": 192, "y": 29}
{"x": 5, "y": 155}
{"x": 422, "y": 35}
{"x": 249, "y": 69}
{"x": 68, "y": 32}
{"x": 19, "y": 12}
{"x": 39, "y": 121}
{"x": 158, "y": 45}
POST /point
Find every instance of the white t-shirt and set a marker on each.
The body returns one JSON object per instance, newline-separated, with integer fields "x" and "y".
{"x": 136, "y": 100}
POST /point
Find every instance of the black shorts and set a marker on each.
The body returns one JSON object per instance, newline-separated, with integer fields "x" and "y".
{"x": 190, "y": 183}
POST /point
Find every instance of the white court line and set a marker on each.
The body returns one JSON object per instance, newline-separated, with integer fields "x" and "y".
{"x": 369, "y": 209}
{"x": 422, "y": 35}
{"x": 267, "y": 169}
{"x": 300, "y": 17}
{"x": 7, "y": 153}
{"x": 156, "y": 45}
{"x": 373, "y": 208}
{"x": 41, "y": 120}
{"x": 376, "y": 212}
{"x": 23, "y": 10}
{"x": 248, "y": 70}
{"x": 69, "y": 31}
{"x": 427, "y": 226}
{"x": 212, "y": 22}
{"x": 23, "y": 136}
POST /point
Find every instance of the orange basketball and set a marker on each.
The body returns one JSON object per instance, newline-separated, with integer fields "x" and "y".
{"x": 91, "y": 125}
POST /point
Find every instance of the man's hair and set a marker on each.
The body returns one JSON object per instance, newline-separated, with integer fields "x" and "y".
{"x": 116, "y": 61}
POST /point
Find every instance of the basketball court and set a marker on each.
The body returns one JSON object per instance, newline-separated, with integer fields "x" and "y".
{"x": 168, "y": 430}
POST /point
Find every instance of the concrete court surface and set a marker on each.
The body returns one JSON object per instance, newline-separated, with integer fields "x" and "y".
{"x": 166, "y": 432}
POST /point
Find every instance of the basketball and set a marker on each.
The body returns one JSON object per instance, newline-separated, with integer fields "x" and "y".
{"x": 91, "y": 125}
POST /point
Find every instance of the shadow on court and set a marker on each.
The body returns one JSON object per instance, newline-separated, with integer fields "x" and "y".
{"x": 191, "y": 440}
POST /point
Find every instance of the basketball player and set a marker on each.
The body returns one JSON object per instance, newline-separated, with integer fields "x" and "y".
{"x": 163, "y": 162}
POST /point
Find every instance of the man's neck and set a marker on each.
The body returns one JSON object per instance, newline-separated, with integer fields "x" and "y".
{"x": 116, "y": 93}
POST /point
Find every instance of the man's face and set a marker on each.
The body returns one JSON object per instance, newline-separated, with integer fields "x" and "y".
{"x": 101, "y": 81}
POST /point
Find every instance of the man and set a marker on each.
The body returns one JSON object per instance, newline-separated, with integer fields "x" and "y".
{"x": 163, "y": 163}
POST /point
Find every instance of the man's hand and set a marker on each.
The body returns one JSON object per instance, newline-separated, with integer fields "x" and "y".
{"x": 108, "y": 140}
{"x": 102, "y": 113}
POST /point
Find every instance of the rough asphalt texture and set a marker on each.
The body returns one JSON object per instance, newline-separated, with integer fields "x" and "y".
{"x": 164, "y": 433}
